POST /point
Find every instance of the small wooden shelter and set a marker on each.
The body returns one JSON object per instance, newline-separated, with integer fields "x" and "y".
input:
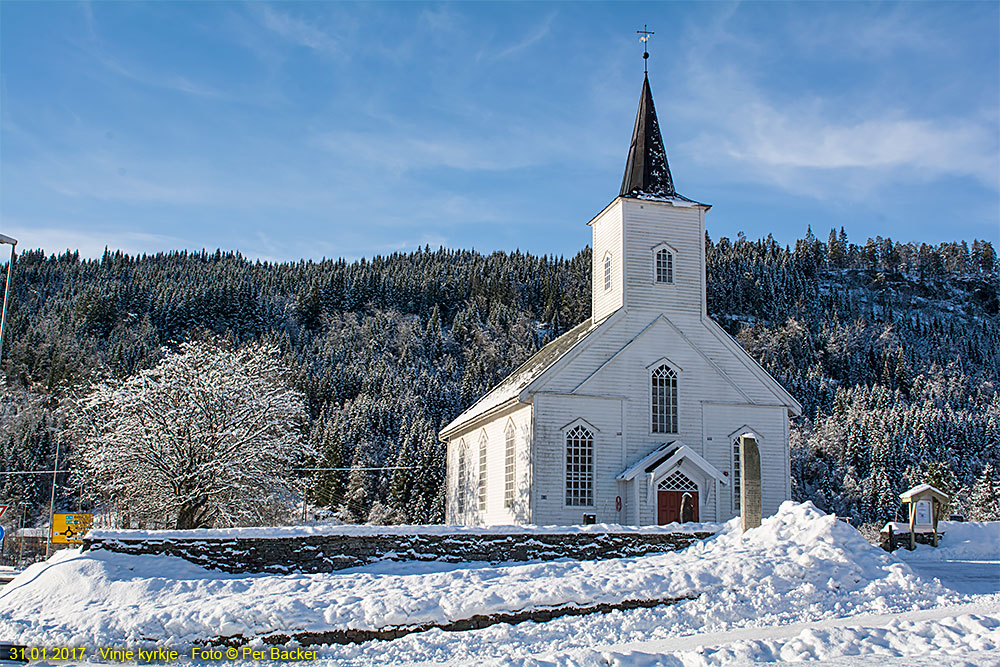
{"x": 926, "y": 503}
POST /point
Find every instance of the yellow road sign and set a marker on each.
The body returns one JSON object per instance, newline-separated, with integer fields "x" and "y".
{"x": 70, "y": 528}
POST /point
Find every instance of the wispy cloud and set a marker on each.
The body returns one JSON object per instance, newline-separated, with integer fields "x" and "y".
{"x": 298, "y": 31}
{"x": 765, "y": 135}
{"x": 55, "y": 237}
{"x": 537, "y": 34}
{"x": 824, "y": 142}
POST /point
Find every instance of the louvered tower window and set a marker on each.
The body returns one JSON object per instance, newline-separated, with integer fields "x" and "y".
{"x": 607, "y": 272}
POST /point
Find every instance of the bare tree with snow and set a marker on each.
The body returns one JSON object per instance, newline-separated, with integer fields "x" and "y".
{"x": 206, "y": 438}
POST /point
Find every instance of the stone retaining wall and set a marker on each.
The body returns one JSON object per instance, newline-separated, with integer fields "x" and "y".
{"x": 327, "y": 553}
{"x": 476, "y": 622}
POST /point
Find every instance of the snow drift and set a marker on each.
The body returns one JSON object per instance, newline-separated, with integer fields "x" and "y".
{"x": 799, "y": 564}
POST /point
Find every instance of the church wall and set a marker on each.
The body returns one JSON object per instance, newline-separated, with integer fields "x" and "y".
{"x": 648, "y": 224}
{"x": 627, "y": 378}
{"x": 771, "y": 426}
{"x": 495, "y": 431}
{"x": 553, "y": 414}
{"x": 607, "y": 237}
{"x": 734, "y": 361}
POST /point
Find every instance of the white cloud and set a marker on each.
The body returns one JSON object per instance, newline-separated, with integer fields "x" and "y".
{"x": 296, "y": 30}
{"x": 58, "y": 237}
{"x": 826, "y": 142}
{"x": 766, "y": 135}
{"x": 536, "y": 35}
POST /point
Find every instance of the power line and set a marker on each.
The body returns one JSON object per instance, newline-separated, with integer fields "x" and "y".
{"x": 350, "y": 469}
{"x": 31, "y": 472}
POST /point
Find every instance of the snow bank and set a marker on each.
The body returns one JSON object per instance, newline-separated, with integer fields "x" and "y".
{"x": 263, "y": 532}
{"x": 799, "y": 563}
{"x": 966, "y": 639}
{"x": 963, "y": 540}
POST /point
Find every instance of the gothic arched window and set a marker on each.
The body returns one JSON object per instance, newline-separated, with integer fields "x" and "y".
{"x": 482, "y": 471}
{"x": 508, "y": 468}
{"x": 462, "y": 487}
{"x": 579, "y": 467}
{"x": 736, "y": 474}
{"x": 664, "y": 266}
{"x": 663, "y": 385}
{"x": 607, "y": 272}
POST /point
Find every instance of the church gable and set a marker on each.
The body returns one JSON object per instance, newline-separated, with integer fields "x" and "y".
{"x": 608, "y": 406}
{"x": 621, "y": 355}
{"x": 510, "y": 389}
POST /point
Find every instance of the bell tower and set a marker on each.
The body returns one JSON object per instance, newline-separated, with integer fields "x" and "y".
{"x": 649, "y": 243}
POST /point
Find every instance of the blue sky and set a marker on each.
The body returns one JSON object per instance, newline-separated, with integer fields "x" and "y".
{"x": 309, "y": 130}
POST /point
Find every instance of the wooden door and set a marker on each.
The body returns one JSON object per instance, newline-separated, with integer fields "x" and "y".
{"x": 678, "y": 506}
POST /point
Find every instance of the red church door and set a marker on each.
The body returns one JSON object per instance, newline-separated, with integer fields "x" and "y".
{"x": 676, "y": 499}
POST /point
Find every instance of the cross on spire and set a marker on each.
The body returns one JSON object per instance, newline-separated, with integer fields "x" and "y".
{"x": 644, "y": 39}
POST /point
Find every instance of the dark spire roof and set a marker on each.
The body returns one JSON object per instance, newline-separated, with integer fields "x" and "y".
{"x": 647, "y": 172}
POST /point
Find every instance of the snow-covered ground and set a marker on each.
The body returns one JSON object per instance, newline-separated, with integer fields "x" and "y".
{"x": 803, "y": 586}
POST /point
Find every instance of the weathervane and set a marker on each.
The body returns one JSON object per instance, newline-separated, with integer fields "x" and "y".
{"x": 645, "y": 52}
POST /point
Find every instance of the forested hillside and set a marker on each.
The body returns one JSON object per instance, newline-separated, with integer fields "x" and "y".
{"x": 893, "y": 350}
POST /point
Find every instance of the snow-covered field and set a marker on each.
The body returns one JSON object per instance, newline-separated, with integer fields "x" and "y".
{"x": 803, "y": 586}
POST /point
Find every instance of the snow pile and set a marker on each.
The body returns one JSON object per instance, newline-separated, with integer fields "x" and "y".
{"x": 971, "y": 541}
{"x": 799, "y": 564}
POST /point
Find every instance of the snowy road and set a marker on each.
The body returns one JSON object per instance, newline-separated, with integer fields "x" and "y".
{"x": 948, "y": 633}
{"x": 962, "y": 576}
{"x": 962, "y": 634}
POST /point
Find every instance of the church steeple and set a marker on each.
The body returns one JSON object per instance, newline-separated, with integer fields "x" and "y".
{"x": 646, "y": 171}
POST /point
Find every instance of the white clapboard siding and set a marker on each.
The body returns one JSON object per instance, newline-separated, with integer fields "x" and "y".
{"x": 607, "y": 239}
{"x": 554, "y": 413}
{"x": 495, "y": 431}
{"x": 725, "y": 421}
{"x": 649, "y": 224}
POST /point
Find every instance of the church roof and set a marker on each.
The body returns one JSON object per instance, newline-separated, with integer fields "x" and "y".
{"x": 511, "y": 387}
{"x": 647, "y": 173}
{"x": 667, "y": 456}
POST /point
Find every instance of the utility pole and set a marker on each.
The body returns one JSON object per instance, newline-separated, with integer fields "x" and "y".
{"x": 52, "y": 504}
{"x": 6, "y": 290}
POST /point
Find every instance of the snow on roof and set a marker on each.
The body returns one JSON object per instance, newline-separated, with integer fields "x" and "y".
{"x": 512, "y": 385}
{"x": 653, "y": 459}
{"x": 677, "y": 200}
{"x": 921, "y": 488}
{"x": 668, "y": 455}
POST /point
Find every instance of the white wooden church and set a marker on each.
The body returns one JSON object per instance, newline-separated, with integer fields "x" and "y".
{"x": 632, "y": 417}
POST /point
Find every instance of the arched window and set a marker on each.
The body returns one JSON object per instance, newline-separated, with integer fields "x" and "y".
{"x": 736, "y": 474}
{"x": 508, "y": 467}
{"x": 482, "y": 472}
{"x": 664, "y": 266}
{"x": 607, "y": 272}
{"x": 663, "y": 383}
{"x": 579, "y": 467}
{"x": 462, "y": 487}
